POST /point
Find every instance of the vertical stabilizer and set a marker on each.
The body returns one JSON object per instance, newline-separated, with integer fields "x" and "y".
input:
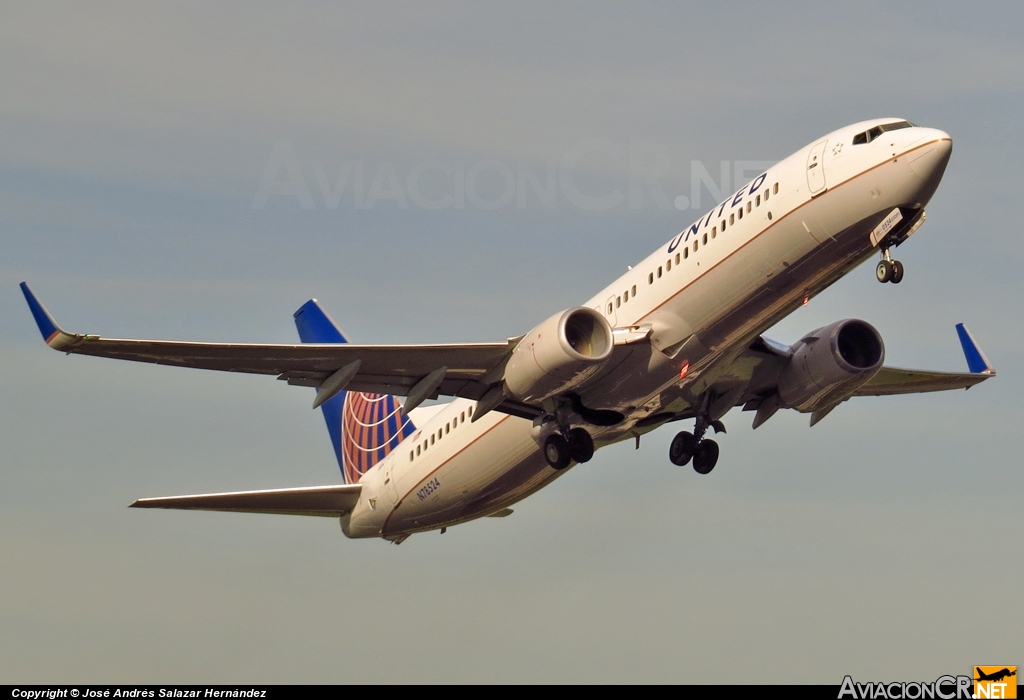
{"x": 363, "y": 427}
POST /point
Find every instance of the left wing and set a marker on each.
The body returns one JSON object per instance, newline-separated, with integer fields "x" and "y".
{"x": 469, "y": 369}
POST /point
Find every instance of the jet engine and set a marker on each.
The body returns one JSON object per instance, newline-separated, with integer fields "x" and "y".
{"x": 829, "y": 364}
{"x": 558, "y": 355}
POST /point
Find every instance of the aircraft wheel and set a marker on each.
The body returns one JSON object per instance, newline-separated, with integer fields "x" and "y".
{"x": 556, "y": 451}
{"x": 883, "y": 272}
{"x": 705, "y": 457}
{"x": 682, "y": 448}
{"x": 581, "y": 445}
{"x": 897, "y": 272}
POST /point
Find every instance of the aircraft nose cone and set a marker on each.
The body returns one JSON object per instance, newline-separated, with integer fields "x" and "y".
{"x": 930, "y": 154}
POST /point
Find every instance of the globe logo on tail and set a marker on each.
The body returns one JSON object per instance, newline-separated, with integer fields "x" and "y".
{"x": 371, "y": 426}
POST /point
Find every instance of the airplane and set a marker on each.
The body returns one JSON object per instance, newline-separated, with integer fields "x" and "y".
{"x": 996, "y": 676}
{"x": 678, "y": 337}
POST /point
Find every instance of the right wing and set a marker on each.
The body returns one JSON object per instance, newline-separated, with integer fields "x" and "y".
{"x": 755, "y": 374}
{"x": 893, "y": 380}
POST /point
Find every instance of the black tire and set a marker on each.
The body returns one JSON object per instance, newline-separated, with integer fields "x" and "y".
{"x": 681, "y": 450}
{"x": 556, "y": 451}
{"x": 883, "y": 271}
{"x": 581, "y": 445}
{"x": 705, "y": 457}
{"x": 897, "y": 272}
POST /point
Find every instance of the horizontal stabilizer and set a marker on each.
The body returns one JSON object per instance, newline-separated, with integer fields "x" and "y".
{"x": 325, "y": 501}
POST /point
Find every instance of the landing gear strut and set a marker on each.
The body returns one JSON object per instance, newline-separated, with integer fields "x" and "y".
{"x": 889, "y": 270}
{"x": 686, "y": 446}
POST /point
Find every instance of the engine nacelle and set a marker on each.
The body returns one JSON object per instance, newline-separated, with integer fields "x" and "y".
{"x": 558, "y": 355}
{"x": 829, "y": 364}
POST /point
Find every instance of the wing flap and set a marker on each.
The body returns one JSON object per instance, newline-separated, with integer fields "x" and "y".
{"x": 324, "y": 501}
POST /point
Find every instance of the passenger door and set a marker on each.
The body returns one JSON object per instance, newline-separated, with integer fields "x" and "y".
{"x": 816, "y": 168}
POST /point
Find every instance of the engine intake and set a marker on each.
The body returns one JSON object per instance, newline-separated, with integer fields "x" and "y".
{"x": 828, "y": 365}
{"x": 558, "y": 355}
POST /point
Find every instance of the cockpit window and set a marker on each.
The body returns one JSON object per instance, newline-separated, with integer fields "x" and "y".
{"x": 874, "y": 132}
{"x": 895, "y": 125}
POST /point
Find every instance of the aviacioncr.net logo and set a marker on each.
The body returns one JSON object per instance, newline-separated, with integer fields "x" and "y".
{"x": 943, "y": 688}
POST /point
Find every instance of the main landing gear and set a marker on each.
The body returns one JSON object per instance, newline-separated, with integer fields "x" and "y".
{"x": 889, "y": 270}
{"x": 574, "y": 445}
{"x": 686, "y": 445}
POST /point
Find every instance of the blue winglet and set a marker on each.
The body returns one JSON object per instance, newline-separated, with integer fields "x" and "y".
{"x": 976, "y": 360}
{"x": 315, "y": 326}
{"x": 47, "y": 326}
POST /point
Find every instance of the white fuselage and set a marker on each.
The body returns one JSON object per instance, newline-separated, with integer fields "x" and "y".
{"x": 739, "y": 269}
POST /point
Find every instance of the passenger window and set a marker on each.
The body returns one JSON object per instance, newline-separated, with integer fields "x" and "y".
{"x": 695, "y": 244}
{"x": 634, "y": 290}
{"x": 775, "y": 188}
{"x": 650, "y": 278}
{"x": 625, "y": 296}
{"x": 609, "y": 307}
{"x": 740, "y": 214}
{"x": 686, "y": 253}
{"x": 704, "y": 240}
{"x": 659, "y": 271}
{"x": 723, "y": 225}
{"x": 748, "y": 207}
{"x": 431, "y": 438}
{"x": 668, "y": 265}
{"x": 410, "y": 455}
{"x": 677, "y": 258}
{"x": 447, "y": 427}
{"x": 714, "y": 232}
{"x": 469, "y": 411}
{"x": 462, "y": 415}
{"x": 732, "y": 219}
{"x": 417, "y": 449}
{"x": 757, "y": 202}
{"x": 766, "y": 193}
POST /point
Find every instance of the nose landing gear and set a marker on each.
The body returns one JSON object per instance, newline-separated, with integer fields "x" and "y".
{"x": 889, "y": 270}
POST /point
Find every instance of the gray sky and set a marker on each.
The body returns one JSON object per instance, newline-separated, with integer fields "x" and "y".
{"x": 882, "y": 543}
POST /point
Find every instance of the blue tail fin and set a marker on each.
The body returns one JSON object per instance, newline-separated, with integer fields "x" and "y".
{"x": 364, "y": 427}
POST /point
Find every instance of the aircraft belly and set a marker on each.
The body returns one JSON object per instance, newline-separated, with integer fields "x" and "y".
{"x": 498, "y": 468}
